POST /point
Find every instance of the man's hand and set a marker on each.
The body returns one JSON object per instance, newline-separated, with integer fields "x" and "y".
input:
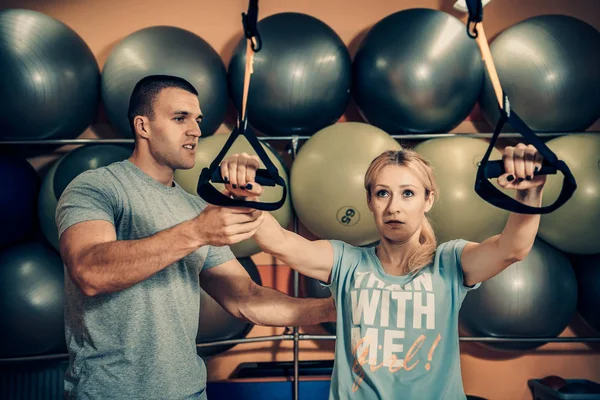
{"x": 224, "y": 226}
{"x": 239, "y": 173}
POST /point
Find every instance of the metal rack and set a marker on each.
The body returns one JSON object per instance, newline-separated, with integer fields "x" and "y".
{"x": 296, "y": 337}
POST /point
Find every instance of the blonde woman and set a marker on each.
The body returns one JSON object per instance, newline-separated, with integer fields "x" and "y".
{"x": 398, "y": 302}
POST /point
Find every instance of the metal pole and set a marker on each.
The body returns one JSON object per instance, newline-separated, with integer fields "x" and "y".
{"x": 411, "y": 136}
{"x": 296, "y": 292}
{"x": 566, "y": 339}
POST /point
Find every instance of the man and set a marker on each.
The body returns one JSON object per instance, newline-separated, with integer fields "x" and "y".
{"x": 136, "y": 247}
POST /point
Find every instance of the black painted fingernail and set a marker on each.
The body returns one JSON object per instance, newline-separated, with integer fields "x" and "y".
{"x": 510, "y": 178}
{"x": 535, "y": 171}
{"x": 234, "y": 186}
{"x": 520, "y": 180}
{"x": 226, "y": 180}
{"x": 528, "y": 177}
{"x": 249, "y": 186}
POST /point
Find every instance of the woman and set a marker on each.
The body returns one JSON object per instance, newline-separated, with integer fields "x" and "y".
{"x": 398, "y": 302}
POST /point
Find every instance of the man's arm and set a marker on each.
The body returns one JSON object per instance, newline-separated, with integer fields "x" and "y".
{"x": 99, "y": 263}
{"x": 231, "y": 286}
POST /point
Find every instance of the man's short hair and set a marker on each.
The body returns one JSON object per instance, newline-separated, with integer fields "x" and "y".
{"x": 146, "y": 91}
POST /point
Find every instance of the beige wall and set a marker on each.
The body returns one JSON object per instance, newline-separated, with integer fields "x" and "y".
{"x": 103, "y": 23}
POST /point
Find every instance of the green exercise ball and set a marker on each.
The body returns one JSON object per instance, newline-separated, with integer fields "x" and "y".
{"x": 206, "y": 151}
{"x": 327, "y": 181}
{"x": 63, "y": 171}
{"x": 459, "y": 212}
{"x": 575, "y": 227}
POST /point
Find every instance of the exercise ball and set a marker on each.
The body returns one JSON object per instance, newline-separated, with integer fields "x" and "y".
{"x": 207, "y": 150}
{"x": 327, "y": 181}
{"x": 459, "y": 212}
{"x": 216, "y": 323}
{"x": 18, "y": 199}
{"x": 62, "y": 172}
{"x": 50, "y": 79}
{"x": 587, "y": 270}
{"x": 574, "y": 227}
{"x": 301, "y": 76}
{"x": 548, "y": 67}
{"x": 31, "y": 301}
{"x": 532, "y": 298}
{"x": 314, "y": 289}
{"x": 164, "y": 50}
{"x": 417, "y": 71}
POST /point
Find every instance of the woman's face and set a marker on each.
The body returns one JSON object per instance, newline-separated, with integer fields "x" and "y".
{"x": 398, "y": 203}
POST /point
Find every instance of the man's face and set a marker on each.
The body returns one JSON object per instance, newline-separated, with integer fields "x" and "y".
{"x": 173, "y": 132}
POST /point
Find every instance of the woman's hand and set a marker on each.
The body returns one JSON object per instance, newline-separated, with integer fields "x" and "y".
{"x": 239, "y": 173}
{"x": 521, "y": 163}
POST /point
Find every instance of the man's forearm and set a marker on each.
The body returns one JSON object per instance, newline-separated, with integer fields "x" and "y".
{"x": 269, "y": 307}
{"x": 117, "y": 265}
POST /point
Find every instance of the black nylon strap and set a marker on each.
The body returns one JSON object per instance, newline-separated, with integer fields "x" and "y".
{"x": 494, "y": 196}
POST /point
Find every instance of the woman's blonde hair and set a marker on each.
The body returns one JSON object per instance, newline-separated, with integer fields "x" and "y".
{"x": 422, "y": 169}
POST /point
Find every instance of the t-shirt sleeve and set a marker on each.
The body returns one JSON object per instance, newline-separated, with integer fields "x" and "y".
{"x": 88, "y": 197}
{"x": 340, "y": 265}
{"x": 217, "y": 256}
{"x": 451, "y": 259}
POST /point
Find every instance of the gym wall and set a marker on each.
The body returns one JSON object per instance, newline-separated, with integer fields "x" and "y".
{"x": 102, "y": 24}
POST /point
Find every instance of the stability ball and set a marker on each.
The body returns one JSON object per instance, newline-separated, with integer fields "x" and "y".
{"x": 50, "y": 80}
{"x": 587, "y": 270}
{"x": 315, "y": 290}
{"x": 31, "y": 301}
{"x": 575, "y": 227}
{"x": 63, "y": 172}
{"x": 301, "y": 79}
{"x": 548, "y": 67}
{"x": 459, "y": 212}
{"x": 207, "y": 150}
{"x": 417, "y": 71}
{"x": 164, "y": 50}
{"x": 327, "y": 181}
{"x": 18, "y": 199}
{"x": 535, "y": 297}
{"x": 216, "y": 323}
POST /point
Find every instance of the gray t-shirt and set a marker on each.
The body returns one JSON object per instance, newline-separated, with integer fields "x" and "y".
{"x": 138, "y": 343}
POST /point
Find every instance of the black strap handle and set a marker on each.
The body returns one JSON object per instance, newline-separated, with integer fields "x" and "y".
{"x": 265, "y": 177}
{"x": 492, "y": 169}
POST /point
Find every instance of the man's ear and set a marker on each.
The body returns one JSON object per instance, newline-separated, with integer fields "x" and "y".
{"x": 140, "y": 123}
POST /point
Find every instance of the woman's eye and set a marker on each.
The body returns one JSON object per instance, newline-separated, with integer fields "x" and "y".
{"x": 408, "y": 193}
{"x": 382, "y": 193}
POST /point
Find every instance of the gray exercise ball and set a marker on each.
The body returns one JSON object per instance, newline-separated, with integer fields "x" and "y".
{"x": 32, "y": 300}
{"x": 417, "y": 71}
{"x": 49, "y": 78}
{"x": 587, "y": 269}
{"x": 216, "y": 323}
{"x": 533, "y": 298}
{"x": 548, "y": 66}
{"x": 301, "y": 79}
{"x": 165, "y": 50}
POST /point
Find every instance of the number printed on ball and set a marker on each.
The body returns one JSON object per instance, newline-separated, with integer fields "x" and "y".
{"x": 348, "y": 216}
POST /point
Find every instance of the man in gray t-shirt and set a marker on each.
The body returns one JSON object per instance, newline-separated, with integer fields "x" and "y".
{"x": 136, "y": 247}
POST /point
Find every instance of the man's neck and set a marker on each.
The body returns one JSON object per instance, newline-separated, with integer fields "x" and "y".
{"x": 147, "y": 164}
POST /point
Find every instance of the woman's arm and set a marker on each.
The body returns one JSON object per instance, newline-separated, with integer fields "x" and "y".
{"x": 481, "y": 261}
